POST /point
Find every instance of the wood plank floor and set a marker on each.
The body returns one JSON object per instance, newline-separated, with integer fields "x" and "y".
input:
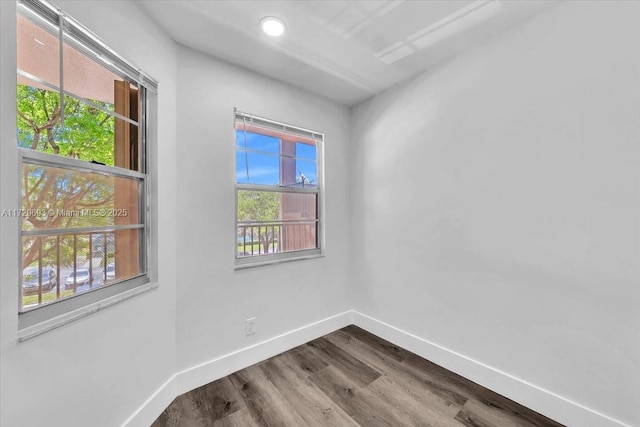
{"x": 347, "y": 378}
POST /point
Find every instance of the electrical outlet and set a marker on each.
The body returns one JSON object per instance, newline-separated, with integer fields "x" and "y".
{"x": 250, "y": 326}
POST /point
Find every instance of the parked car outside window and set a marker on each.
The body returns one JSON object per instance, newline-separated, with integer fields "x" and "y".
{"x": 31, "y": 280}
{"x": 81, "y": 278}
{"x": 111, "y": 271}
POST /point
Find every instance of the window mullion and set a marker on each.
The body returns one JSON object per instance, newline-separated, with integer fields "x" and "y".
{"x": 278, "y": 189}
{"x": 61, "y": 66}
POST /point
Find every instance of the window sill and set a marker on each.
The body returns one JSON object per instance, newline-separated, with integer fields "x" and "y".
{"x": 66, "y": 318}
{"x": 245, "y": 263}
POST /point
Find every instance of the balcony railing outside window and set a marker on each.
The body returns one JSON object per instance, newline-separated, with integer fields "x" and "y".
{"x": 69, "y": 264}
{"x": 279, "y": 190}
{"x": 265, "y": 237}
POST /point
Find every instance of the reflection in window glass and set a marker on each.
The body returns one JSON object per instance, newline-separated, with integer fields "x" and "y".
{"x": 57, "y": 197}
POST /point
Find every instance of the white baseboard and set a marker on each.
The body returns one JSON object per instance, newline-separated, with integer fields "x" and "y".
{"x": 544, "y": 401}
{"x": 224, "y": 365}
{"x": 534, "y": 397}
{"x": 146, "y": 414}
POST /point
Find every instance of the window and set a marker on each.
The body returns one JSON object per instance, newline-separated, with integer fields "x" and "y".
{"x": 278, "y": 191}
{"x": 82, "y": 131}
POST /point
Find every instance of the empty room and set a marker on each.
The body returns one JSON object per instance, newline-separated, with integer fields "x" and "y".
{"x": 319, "y": 213}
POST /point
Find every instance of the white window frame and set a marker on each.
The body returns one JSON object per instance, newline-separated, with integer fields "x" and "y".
{"x": 51, "y": 315}
{"x": 318, "y": 190}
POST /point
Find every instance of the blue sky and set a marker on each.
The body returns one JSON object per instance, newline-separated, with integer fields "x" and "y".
{"x": 262, "y": 155}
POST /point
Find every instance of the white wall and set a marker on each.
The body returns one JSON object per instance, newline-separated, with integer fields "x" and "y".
{"x": 497, "y": 203}
{"x": 98, "y": 370}
{"x": 517, "y": 163}
{"x": 213, "y": 299}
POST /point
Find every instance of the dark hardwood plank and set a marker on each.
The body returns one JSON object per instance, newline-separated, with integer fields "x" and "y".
{"x": 307, "y": 359}
{"x": 216, "y": 400}
{"x": 440, "y": 379}
{"x": 241, "y": 418}
{"x": 444, "y": 378}
{"x": 438, "y": 375}
{"x": 407, "y": 406}
{"x": 352, "y": 399}
{"x": 498, "y": 412}
{"x": 476, "y": 414}
{"x": 442, "y": 400}
{"x": 263, "y": 400}
{"x": 172, "y": 416}
{"x": 359, "y": 372}
{"x": 313, "y": 406}
{"x": 390, "y": 349}
{"x": 201, "y": 406}
{"x": 430, "y": 377}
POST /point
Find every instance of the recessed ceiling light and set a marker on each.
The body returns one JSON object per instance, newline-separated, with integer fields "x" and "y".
{"x": 272, "y": 26}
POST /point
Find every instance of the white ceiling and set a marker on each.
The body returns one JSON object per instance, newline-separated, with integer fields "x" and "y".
{"x": 343, "y": 50}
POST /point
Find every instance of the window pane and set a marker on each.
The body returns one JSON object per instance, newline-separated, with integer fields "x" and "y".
{"x": 307, "y": 173}
{"x": 306, "y": 151}
{"x": 256, "y": 142}
{"x": 72, "y": 264}
{"x": 91, "y": 80}
{"x": 38, "y": 118}
{"x": 258, "y": 205}
{"x": 90, "y": 130}
{"x": 128, "y": 260}
{"x": 298, "y": 206}
{"x": 298, "y": 237}
{"x": 93, "y": 135}
{"x": 272, "y": 222}
{"x": 88, "y": 133}
{"x": 38, "y": 53}
{"x": 258, "y": 239}
{"x": 267, "y": 160}
{"x": 264, "y": 169}
{"x": 58, "y": 198}
{"x": 271, "y": 238}
{"x": 288, "y": 173}
{"x": 40, "y": 252}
